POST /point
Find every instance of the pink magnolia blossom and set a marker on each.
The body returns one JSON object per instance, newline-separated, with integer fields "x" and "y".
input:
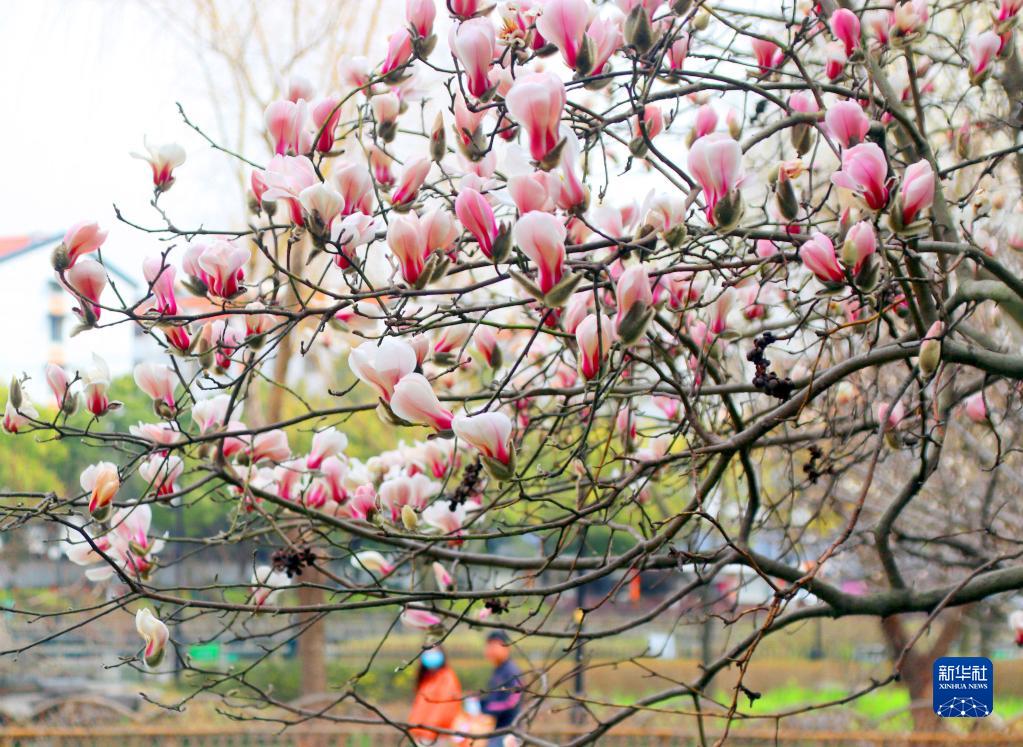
{"x": 845, "y": 25}
{"x": 890, "y": 417}
{"x": 632, "y": 290}
{"x": 563, "y": 23}
{"x": 443, "y": 518}
{"x": 605, "y": 35}
{"x": 472, "y": 43}
{"x": 477, "y": 217}
{"x": 328, "y": 442}
{"x": 269, "y": 445}
{"x": 372, "y": 561}
{"x": 442, "y": 577}
{"x": 325, "y": 115}
{"x": 82, "y": 238}
{"x": 983, "y": 49}
{"x": 158, "y": 381}
{"x": 285, "y": 178}
{"x": 162, "y": 160}
{"x": 818, "y": 254}
{"x": 415, "y": 401}
{"x": 488, "y": 432}
{"x": 485, "y": 340}
{"x": 267, "y": 585}
{"x": 541, "y": 237}
{"x": 220, "y": 266}
{"x": 594, "y": 335}
{"x": 321, "y": 203}
{"x": 155, "y": 635}
{"x": 769, "y": 55}
{"x": 536, "y": 102}
{"x": 299, "y": 88}
{"x": 87, "y": 280}
{"x": 706, "y": 121}
{"x": 418, "y": 618}
{"x": 860, "y": 244}
{"x": 535, "y": 191}
{"x": 441, "y": 230}
{"x": 382, "y": 366}
{"x": 16, "y": 418}
{"x": 847, "y": 123}
{"x": 355, "y": 184}
{"x": 420, "y": 15}
{"x": 399, "y": 51}
{"x": 715, "y": 161}
{"x": 835, "y": 59}
{"x": 404, "y": 490}
{"x": 412, "y": 178}
{"x": 101, "y": 482}
{"x": 976, "y": 408}
{"x": 211, "y": 413}
{"x": 678, "y": 51}
{"x": 908, "y": 18}
{"x": 95, "y": 383}
{"x": 865, "y": 173}
{"x": 406, "y": 238}
{"x": 160, "y": 277}
{"x": 161, "y": 472}
{"x": 916, "y": 192}
{"x": 651, "y": 122}
{"x": 60, "y": 385}
{"x": 285, "y": 123}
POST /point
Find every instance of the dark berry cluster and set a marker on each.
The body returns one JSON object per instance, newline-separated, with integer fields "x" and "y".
{"x": 293, "y": 560}
{"x": 496, "y": 606}
{"x": 814, "y": 468}
{"x": 468, "y": 487}
{"x": 764, "y": 378}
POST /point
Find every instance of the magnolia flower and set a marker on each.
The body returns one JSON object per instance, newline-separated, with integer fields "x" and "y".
{"x": 594, "y": 335}
{"x": 1016, "y": 624}
{"x": 101, "y": 482}
{"x": 415, "y": 401}
{"x": 382, "y": 366}
{"x": 976, "y": 408}
{"x": 716, "y": 163}
{"x": 355, "y": 184}
{"x": 835, "y": 59}
{"x": 160, "y": 277}
{"x": 285, "y": 123}
{"x": 270, "y": 445}
{"x": 267, "y": 584}
{"x": 860, "y": 244}
{"x": 399, "y": 51}
{"x": 372, "y": 561}
{"x": 915, "y": 194}
{"x": 321, "y": 203}
{"x": 412, "y": 179}
{"x": 769, "y": 55}
{"x": 325, "y": 115}
{"x": 154, "y": 633}
{"x": 82, "y": 238}
{"x": 563, "y": 23}
{"x": 161, "y": 472}
{"x": 96, "y": 382}
{"x": 890, "y": 417}
{"x": 864, "y": 172}
{"x": 443, "y": 518}
{"x": 349, "y": 233}
{"x": 541, "y": 237}
{"x": 285, "y": 178}
{"x": 635, "y": 302}
{"x": 328, "y": 442}
{"x": 57, "y": 379}
{"x": 16, "y": 418}
{"x": 158, "y": 381}
{"x": 845, "y": 25}
{"x": 485, "y": 340}
{"x": 219, "y": 266}
{"x": 472, "y": 43}
{"x": 443, "y": 578}
{"x": 706, "y": 121}
{"x": 847, "y": 123}
{"x": 418, "y": 618}
{"x": 490, "y": 434}
{"x": 678, "y": 51}
{"x": 163, "y": 159}
{"x": 536, "y": 102}
{"x": 818, "y": 254}
{"x": 441, "y": 230}
{"x": 476, "y": 215}
{"x": 406, "y": 491}
{"x": 406, "y": 238}
{"x": 420, "y": 15}
{"x": 87, "y": 279}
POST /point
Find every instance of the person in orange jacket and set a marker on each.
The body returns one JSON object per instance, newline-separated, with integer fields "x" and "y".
{"x": 438, "y": 700}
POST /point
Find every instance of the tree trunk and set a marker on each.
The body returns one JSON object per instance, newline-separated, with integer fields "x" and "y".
{"x": 915, "y": 672}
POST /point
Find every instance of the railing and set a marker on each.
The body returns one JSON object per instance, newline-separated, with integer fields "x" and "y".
{"x": 163, "y": 736}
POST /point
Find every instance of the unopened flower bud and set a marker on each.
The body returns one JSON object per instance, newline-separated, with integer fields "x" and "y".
{"x": 930, "y": 350}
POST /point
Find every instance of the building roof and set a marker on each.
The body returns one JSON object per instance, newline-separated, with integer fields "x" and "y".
{"x": 12, "y": 247}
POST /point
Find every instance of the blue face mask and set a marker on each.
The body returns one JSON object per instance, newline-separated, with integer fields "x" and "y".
{"x": 432, "y": 658}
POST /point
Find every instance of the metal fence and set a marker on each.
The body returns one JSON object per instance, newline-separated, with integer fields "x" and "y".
{"x": 148, "y": 736}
